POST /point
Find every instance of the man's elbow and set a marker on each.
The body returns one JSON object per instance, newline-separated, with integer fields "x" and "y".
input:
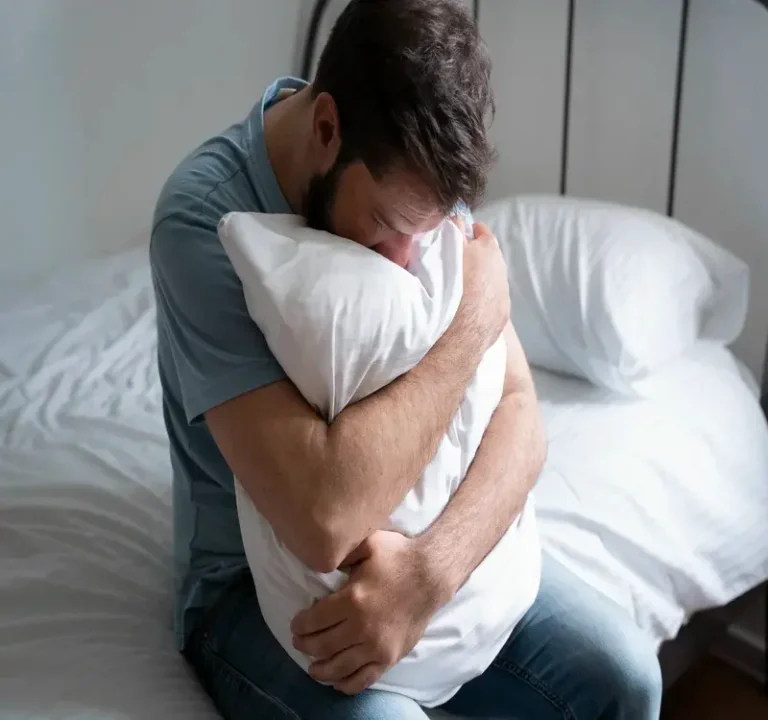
{"x": 540, "y": 446}
{"x": 526, "y": 409}
{"x": 312, "y": 543}
{"x": 327, "y": 544}
{"x": 320, "y": 531}
{"x": 321, "y": 555}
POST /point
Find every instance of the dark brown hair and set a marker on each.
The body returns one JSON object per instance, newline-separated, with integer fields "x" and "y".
{"x": 411, "y": 80}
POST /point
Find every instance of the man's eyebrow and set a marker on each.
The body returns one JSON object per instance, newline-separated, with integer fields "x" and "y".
{"x": 384, "y": 218}
{"x": 388, "y": 219}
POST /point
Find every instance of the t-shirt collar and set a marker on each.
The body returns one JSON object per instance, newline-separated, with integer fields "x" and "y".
{"x": 260, "y": 170}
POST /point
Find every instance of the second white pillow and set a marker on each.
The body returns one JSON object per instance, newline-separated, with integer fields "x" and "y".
{"x": 612, "y": 293}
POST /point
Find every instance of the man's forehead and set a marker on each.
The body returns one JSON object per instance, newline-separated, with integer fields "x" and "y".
{"x": 405, "y": 199}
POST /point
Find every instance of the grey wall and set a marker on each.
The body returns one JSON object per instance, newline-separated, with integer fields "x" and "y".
{"x": 101, "y": 98}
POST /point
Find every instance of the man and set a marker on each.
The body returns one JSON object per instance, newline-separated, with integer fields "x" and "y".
{"x": 389, "y": 137}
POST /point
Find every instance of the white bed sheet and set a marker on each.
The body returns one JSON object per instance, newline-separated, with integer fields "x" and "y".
{"x": 85, "y": 527}
{"x": 661, "y": 503}
{"x": 676, "y": 481}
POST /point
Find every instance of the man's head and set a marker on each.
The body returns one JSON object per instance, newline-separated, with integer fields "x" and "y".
{"x": 400, "y": 105}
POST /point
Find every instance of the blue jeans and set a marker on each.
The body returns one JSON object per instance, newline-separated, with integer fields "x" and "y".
{"x": 575, "y": 655}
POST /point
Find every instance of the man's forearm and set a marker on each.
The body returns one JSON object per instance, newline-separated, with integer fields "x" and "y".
{"x": 395, "y": 433}
{"x": 493, "y": 493}
{"x": 325, "y": 488}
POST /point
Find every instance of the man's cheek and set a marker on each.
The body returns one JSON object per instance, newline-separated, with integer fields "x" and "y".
{"x": 398, "y": 251}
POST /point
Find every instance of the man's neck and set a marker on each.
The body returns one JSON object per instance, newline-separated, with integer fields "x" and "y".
{"x": 284, "y": 130}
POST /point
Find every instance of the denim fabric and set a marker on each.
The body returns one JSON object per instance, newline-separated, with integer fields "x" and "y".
{"x": 575, "y": 656}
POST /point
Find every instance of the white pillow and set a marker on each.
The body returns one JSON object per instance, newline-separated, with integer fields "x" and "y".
{"x": 331, "y": 309}
{"x": 612, "y": 293}
{"x": 343, "y": 322}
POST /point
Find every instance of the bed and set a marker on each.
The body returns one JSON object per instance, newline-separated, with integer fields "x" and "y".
{"x": 660, "y": 502}
{"x": 85, "y": 522}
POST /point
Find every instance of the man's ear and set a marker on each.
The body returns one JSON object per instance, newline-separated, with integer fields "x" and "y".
{"x": 326, "y": 131}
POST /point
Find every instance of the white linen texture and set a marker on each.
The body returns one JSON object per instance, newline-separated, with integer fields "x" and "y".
{"x": 343, "y": 322}
{"x": 611, "y": 293}
{"x": 658, "y": 501}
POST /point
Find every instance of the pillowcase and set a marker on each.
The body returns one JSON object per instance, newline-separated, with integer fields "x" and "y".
{"x": 330, "y": 308}
{"x": 612, "y": 293}
{"x": 343, "y": 321}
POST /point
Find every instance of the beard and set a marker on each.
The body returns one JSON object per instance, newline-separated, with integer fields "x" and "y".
{"x": 319, "y": 199}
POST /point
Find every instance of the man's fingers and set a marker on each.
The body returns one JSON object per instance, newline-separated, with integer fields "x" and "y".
{"x": 480, "y": 229}
{"x": 341, "y": 666}
{"x": 360, "y": 553}
{"x": 326, "y": 643}
{"x": 325, "y": 613}
{"x": 361, "y": 680}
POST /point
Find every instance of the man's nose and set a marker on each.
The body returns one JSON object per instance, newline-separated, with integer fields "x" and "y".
{"x": 397, "y": 250}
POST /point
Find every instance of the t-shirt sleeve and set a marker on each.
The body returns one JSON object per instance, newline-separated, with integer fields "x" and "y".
{"x": 216, "y": 348}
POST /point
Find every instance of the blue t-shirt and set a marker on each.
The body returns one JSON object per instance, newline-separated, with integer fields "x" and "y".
{"x": 209, "y": 349}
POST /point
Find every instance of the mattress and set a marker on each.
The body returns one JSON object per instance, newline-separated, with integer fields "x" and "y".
{"x": 658, "y": 502}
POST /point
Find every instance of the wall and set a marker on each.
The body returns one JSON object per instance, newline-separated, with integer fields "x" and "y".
{"x": 101, "y": 98}
{"x": 722, "y": 187}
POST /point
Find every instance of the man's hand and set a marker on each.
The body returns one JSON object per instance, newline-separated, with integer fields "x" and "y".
{"x": 485, "y": 303}
{"x": 356, "y": 634}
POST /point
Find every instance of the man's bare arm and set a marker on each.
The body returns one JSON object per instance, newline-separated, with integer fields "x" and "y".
{"x": 498, "y": 482}
{"x": 396, "y": 585}
{"x": 325, "y": 488}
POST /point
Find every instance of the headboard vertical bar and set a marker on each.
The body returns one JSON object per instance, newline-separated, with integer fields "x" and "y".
{"x": 567, "y": 98}
{"x": 311, "y": 40}
{"x": 679, "y": 81}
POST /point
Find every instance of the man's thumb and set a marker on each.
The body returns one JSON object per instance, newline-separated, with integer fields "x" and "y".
{"x": 481, "y": 230}
{"x": 360, "y": 553}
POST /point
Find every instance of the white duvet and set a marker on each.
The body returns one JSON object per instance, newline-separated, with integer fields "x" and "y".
{"x": 344, "y": 322}
{"x": 659, "y": 502}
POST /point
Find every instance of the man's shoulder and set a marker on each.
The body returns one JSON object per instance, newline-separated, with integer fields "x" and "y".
{"x": 207, "y": 182}
{"x": 230, "y": 172}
